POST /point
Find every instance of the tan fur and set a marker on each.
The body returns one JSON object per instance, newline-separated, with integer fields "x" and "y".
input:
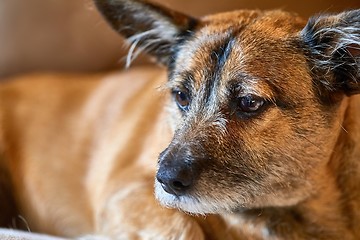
{"x": 78, "y": 153}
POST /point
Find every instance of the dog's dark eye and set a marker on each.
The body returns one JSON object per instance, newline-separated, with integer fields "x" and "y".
{"x": 182, "y": 100}
{"x": 250, "y": 103}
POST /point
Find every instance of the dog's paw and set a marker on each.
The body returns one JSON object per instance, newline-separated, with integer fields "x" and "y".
{"x": 135, "y": 214}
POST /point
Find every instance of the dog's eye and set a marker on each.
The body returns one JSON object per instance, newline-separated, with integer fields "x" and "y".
{"x": 250, "y": 103}
{"x": 182, "y": 100}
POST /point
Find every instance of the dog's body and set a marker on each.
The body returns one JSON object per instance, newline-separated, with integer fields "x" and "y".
{"x": 261, "y": 132}
{"x": 97, "y": 140}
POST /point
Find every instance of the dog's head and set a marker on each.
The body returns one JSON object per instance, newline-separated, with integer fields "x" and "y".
{"x": 257, "y": 100}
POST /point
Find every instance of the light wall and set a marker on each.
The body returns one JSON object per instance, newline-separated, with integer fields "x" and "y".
{"x": 69, "y": 35}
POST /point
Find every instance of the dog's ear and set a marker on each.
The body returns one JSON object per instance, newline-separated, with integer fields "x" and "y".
{"x": 147, "y": 26}
{"x": 333, "y": 48}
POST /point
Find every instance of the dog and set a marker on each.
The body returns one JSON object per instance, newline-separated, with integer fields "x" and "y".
{"x": 249, "y": 130}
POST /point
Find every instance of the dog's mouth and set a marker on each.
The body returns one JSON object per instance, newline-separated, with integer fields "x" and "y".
{"x": 185, "y": 202}
{"x": 194, "y": 185}
{"x": 208, "y": 196}
{"x": 191, "y": 201}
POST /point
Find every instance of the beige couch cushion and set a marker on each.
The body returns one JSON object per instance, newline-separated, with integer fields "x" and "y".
{"x": 10, "y": 234}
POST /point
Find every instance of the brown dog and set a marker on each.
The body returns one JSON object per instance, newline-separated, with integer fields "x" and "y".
{"x": 260, "y": 130}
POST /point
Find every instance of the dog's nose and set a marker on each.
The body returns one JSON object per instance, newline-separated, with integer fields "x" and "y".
{"x": 179, "y": 168}
{"x": 174, "y": 179}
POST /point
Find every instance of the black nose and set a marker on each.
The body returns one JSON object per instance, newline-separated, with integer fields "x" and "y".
{"x": 174, "y": 179}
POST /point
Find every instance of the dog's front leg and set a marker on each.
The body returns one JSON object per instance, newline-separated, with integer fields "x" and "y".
{"x": 130, "y": 211}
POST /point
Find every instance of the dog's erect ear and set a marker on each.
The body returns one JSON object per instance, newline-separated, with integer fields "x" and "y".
{"x": 147, "y": 26}
{"x": 333, "y": 44}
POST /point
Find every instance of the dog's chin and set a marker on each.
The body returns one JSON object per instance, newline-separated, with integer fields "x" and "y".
{"x": 188, "y": 203}
{"x": 197, "y": 204}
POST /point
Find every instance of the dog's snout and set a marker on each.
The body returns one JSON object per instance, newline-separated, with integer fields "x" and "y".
{"x": 175, "y": 174}
{"x": 175, "y": 180}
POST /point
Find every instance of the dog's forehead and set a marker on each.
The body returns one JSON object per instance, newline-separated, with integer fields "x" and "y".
{"x": 242, "y": 44}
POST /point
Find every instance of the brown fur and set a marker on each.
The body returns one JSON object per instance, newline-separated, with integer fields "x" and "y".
{"x": 78, "y": 153}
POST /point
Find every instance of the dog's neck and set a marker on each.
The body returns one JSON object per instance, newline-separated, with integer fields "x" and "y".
{"x": 331, "y": 212}
{"x": 345, "y": 165}
{"x": 320, "y": 216}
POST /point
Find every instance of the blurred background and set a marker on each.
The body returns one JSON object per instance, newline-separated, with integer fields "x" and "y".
{"x": 70, "y": 35}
